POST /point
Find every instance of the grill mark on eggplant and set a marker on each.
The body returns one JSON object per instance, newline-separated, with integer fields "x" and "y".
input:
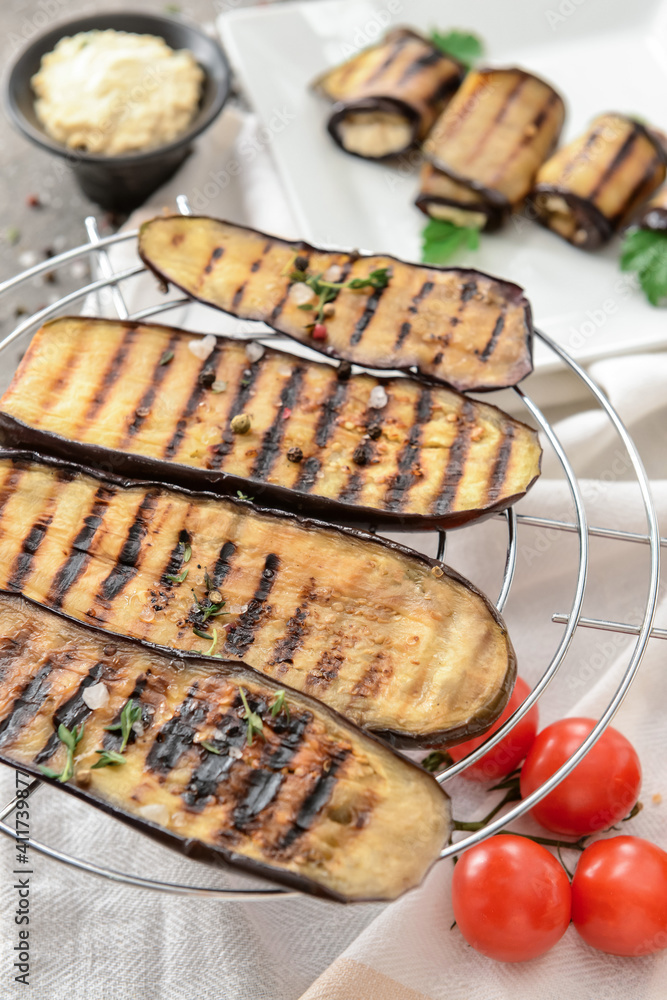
{"x": 394, "y": 52}
{"x": 420, "y": 63}
{"x": 608, "y": 173}
{"x": 498, "y": 118}
{"x": 490, "y": 345}
{"x": 286, "y": 647}
{"x": 413, "y": 308}
{"x": 242, "y": 632}
{"x": 79, "y": 553}
{"x": 216, "y": 254}
{"x": 456, "y": 462}
{"x": 352, "y": 488}
{"x": 326, "y": 669}
{"x": 231, "y": 732}
{"x": 291, "y": 730}
{"x": 261, "y": 789}
{"x": 27, "y": 704}
{"x": 146, "y": 401}
{"x": 175, "y": 737}
{"x": 126, "y": 564}
{"x": 536, "y": 123}
{"x": 31, "y": 543}
{"x": 370, "y": 682}
{"x": 270, "y": 447}
{"x": 9, "y": 486}
{"x": 315, "y": 800}
{"x": 636, "y": 193}
{"x": 499, "y": 470}
{"x": 591, "y": 140}
{"x": 243, "y": 394}
{"x": 238, "y": 295}
{"x": 111, "y": 374}
{"x": 222, "y": 563}
{"x": 329, "y": 412}
{"x": 175, "y": 561}
{"x": 255, "y": 266}
{"x": 71, "y": 713}
{"x": 308, "y": 474}
{"x": 195, "y": 396}
{"x": 366, "y": 316}
{"x": 397, "y": 493}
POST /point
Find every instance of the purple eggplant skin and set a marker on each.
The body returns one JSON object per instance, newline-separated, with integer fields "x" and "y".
{"x": 306, "y": 502}
{"x": 190, "y": 847}
{"x": 472, "y": 727}
{"x": 513, "y": 323}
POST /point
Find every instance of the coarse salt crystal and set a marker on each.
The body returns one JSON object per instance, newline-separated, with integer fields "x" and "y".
{"x": 333, "y": 273}
{"x": 95, "y": 696}
{"x": 28, "y": 258}
{"x": 300, "y": 293}
{"x": 379, "y": 398}
{"x": 157, "y": 812}
{"x": 137, "y": 728}
{"x": 202, "y": 347}
{"x": 254, "y": 351}
{"x": 235, "y": 753}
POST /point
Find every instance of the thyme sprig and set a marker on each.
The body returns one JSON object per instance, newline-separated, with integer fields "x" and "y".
{"x": 254, "y": 723}
{"x": 280, "y": 705}
{"x": 209, "y": 746}
{"x": 327, "y": 291}
{"x": 71, "y": 738}
{"x": 131, "y": 713}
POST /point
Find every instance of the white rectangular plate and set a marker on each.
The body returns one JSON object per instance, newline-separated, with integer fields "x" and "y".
{"x": 600, "y": 56}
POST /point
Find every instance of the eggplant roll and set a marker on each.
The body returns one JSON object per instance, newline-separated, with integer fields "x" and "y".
{"x": 590, "y": 188}
{"x": 383, "y": 635}
{"x": 492, "y": 137}
{"x": 455, "y": 325}
{"x": 654, "y": 213}
{"x": 442, "y": 198}
{"x": 100, "y": 391}
{"x": 301, "y": 797}
{"x": 389, "y": 95}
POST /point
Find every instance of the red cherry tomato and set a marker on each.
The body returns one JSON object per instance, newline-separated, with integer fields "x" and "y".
{"x": 509, "y": 753}
{"x": 511, "y": 898}
{"x": 619, "y": 896}
{"x": 600, "y": 791}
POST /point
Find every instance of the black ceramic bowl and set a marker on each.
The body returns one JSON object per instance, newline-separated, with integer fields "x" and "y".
{"x": 122, "y": 182}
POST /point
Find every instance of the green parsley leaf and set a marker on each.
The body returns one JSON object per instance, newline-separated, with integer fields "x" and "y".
{"x": 243, "y": 496}
{"x": 177, "y": 577}
{"x": 435, "y": 761}
{"x": 645, "y": 252}
{"x": 187, "y": 553}
{"x": 462, "y": 45}
{"x": 209, "y": 746}
{"x": 253, "y": 721}
{"x": 441, "y": 239}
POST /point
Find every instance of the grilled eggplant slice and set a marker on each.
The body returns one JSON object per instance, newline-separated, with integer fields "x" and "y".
{"x": 455, "y": 325}
{"x": 492, "y": 137}
{"x": 442, "y": 198}
{"x": 590, "y": 188}
{"x": 384, "y": 635}
{"x": 312, "y": 802}
{"x": 427, "y": 457}
{"x": 389, "y": 95}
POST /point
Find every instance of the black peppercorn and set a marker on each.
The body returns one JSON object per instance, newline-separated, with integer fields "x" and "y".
{"x": 301, "y": 263}
{"x": 295, "y": 455}
{"x": 344, "y": 371}
{"x": 207, "y": 378}
{"x": 361, "y": 455}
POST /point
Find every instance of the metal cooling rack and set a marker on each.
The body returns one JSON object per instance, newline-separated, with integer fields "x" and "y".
{"x": 111, "y": 281}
